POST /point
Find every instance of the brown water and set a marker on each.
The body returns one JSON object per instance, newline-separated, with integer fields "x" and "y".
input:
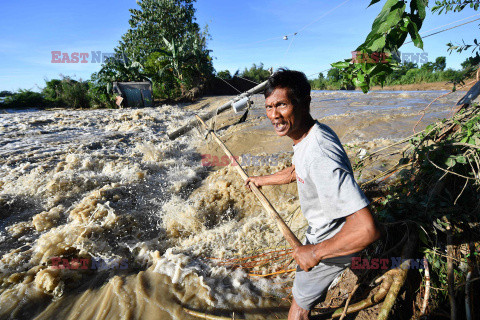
{"x": 109, "y": 185}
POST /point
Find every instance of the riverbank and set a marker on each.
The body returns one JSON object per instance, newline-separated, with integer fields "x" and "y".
{"x": 442, "y": 85}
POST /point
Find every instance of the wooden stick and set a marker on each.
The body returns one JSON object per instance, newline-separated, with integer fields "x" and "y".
{"x": 345, "y": 309}
{"x": 203, "y": 315}
{"x": 427, "y": 287}
{"x": 287, "y": 233}
{"x": 450, "y": 276}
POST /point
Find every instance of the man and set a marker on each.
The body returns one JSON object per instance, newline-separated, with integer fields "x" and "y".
{"x": 335, "y": 207}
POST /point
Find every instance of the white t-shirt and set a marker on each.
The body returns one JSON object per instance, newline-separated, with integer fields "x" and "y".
{"x": 326, "y": 186}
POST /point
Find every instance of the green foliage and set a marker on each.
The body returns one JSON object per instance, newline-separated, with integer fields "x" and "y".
{"x": 168, "y": 45}
{"x": 454, "y": 5}
{"x": 320, "y": 83}
{"x": 440, "y": 64}
{"x": 471, "y": 62}
{"x": 437, "y": 190}
{"x": 225, "y": 75}
{"x": 155, "y": 20}
{"x": 256, "y": 73}
{"x": 24, "y": 99}
{"x": 67, "y": 93}
{"x": 428, "y": 66}
{"x": 6, "y": 93}
{"x": 402, "y": 73}
{"x": 457, "y": 6}
{"x": 389, "y": 31}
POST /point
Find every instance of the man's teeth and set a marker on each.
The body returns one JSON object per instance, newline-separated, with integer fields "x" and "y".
{"x": 280, "y": 126}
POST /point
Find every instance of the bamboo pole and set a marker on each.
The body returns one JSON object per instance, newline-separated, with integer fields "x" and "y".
{"x": 287, "y": 233}
{"x": 177, "y": 133}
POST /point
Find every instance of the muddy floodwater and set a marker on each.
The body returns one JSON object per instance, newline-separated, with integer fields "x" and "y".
{"x": 103, "y": 217}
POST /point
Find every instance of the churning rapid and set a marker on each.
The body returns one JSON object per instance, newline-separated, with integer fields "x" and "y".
{"x": 103, "y": 217}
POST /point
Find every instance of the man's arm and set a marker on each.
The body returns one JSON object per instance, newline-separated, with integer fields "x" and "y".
{"x": 284, "y": 176}
{"x": 356, "y": 234}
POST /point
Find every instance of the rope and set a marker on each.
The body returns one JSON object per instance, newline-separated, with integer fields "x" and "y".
{"x": 247, "y": 79}
{"x": 229, "y": 84}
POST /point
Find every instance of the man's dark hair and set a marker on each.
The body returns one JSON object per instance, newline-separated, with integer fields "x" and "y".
{"x": 295, "y": 81}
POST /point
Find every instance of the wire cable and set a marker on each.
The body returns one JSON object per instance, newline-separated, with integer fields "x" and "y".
{"x": 285, "y": 37}
{"x": 432, "y": 34}
{"x": 475, "y": 15}
{"x": 246, "y": 79}
{"x": 229, "y": 84}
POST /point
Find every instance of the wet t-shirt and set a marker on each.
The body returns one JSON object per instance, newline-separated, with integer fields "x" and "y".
{"x": 326, "y": 186}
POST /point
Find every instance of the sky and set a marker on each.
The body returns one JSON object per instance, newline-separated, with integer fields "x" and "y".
{"x": 242, "y": 33}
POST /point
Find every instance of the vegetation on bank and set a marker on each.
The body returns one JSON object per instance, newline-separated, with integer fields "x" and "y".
{"x": 432, "y": 209}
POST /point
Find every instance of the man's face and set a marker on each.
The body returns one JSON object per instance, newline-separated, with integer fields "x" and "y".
{"x": 285, "y": 117}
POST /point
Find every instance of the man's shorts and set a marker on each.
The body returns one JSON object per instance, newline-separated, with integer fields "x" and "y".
{"x": 310, "y": 287}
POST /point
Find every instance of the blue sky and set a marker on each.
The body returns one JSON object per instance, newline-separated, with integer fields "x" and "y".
{"x": 243, "y": 32}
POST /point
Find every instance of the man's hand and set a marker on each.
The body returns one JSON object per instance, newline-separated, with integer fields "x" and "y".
{"x": 305, "y": 257}
{"x": 284, "y": 176}
{"x": 258, "y": 181}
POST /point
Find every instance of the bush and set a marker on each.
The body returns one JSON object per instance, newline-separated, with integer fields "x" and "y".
{"x": 256, "y": 73}
{"x": 67, "y": 93}
{"x": 24, "y": 99}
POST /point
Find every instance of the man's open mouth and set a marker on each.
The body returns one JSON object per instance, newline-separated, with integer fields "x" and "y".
{"x": 279, "y": 126}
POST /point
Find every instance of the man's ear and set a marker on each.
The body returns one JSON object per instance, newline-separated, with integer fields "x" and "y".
{"x": 307, "y": 103}
{"x": 308, "y": 100}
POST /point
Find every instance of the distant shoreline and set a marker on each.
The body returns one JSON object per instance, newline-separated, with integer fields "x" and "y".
{"x": 442, "y": 85}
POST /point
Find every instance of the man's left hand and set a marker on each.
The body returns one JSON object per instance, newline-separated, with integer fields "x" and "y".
{"x": 305, "y": 257}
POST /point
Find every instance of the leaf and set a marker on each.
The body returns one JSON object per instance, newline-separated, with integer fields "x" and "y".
{"x": 378, "y": 44}
{"x": 340, "y": 64}
{"x": 450, "y": 162}
{"x": 420, "y": 6}
{"x": 390, "y": 15}
{"x": 413, "y": 31}
{"x": 373, "y": 2}
{"x": 358, "y": 83}
{"x": 423, "y": 238}
{"x": 461, "y": 159}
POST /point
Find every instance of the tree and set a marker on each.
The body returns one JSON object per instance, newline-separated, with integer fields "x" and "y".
{"x": 225, "y": 75}
{"x": 67, "y": 93}
{"x": 164, "y": 35}
{"x": 256, "y": 73}
{"x": 333, "y": 75}
{"x": 165, "y": 45}
{"x": 428, "y": 66}
{"x": 6, "y": 93}
{"x": 471, "y": 62}
{"x": 157, "y": 19}
{"x": 24, "y": 99}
